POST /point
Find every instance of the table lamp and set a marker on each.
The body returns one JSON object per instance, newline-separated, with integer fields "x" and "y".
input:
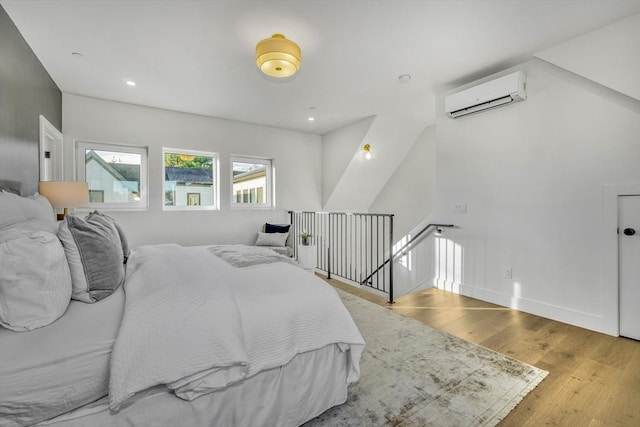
{"x": 65, "y": 194}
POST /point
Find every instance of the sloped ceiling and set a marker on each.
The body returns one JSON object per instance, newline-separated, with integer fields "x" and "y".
{"x": 198, "y": 56}
{"x": 605, "y": 56}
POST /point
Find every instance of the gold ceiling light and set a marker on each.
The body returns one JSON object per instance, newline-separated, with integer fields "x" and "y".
{"x": 277, "y": 56}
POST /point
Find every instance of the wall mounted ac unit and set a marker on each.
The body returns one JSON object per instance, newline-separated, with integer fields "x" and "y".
{"x": 495, "y": 93}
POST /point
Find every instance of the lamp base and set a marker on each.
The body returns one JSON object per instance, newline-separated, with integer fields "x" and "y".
{"x": 60, "y": 217}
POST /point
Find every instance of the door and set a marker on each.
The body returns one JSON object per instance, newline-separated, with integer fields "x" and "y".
{"x": 629, "y": 265}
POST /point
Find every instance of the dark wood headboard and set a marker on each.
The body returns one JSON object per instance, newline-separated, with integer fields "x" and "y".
{"x": 13, "y": 186}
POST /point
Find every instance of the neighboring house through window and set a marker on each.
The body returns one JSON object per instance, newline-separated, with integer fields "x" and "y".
{"x": 190, "y": 179}
{"x": 116, "y": 174}
{"x": 251, "y": 182}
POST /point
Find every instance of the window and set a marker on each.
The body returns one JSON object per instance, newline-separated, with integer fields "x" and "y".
{"x": 190, "y": 179}
{"x": 96, "y": 196}
{"x": 193, "y": 199}
{"x": 251, "y": 182}
{"x": 116, "y": 174}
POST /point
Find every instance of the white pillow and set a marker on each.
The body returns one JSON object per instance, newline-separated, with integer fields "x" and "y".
{"x": 35, "y": 284}
{"x": 33, "y": 213}
{"x": 271, "y": 239}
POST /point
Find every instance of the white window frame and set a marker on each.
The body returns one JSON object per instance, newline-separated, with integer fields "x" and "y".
{"x": 270, "y": 182}
{"x": 81, "y": 146}
{"x": 215, "y": 188}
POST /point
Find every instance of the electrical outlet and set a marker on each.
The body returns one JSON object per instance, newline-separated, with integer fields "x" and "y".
{"x": 508, "y": 273}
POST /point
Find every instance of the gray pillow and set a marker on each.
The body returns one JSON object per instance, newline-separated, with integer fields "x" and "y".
{"x": 123, "y": 238}
{"x": 95, "y": 256}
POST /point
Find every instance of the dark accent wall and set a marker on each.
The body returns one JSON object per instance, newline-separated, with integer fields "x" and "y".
{"x": 26, "y": 91}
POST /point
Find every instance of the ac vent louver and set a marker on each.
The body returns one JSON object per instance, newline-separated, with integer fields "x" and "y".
{"x": 495, "y": 93}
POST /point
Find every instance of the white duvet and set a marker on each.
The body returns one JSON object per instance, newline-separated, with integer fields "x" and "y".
{"x": 197, "y": 324}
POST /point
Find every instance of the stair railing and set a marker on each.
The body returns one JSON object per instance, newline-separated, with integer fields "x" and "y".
{"x": 348, "y": 245}
{"x": 402, "y": 251}
{"x": 354, "y": 246}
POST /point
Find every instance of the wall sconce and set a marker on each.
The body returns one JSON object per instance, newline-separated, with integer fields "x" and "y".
{"x": 65, "y": 194}
{"x": 367, "y": 152}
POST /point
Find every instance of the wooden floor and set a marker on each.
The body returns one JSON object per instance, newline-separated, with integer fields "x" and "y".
{"x": 594, "y": 379}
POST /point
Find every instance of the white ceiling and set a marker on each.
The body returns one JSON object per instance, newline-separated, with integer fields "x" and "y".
{"x": 198, "y": 56}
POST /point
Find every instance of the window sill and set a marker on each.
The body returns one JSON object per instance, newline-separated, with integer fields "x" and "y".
{"x": 189, "y": 208}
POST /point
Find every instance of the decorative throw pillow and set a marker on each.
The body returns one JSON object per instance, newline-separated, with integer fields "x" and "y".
{"x": 123, "y": 238}
{"x": 95, "y": 256}
{"x": 276, "y": 228}
{"x": 271, "y": 239}
{"x": 35, "y": 284}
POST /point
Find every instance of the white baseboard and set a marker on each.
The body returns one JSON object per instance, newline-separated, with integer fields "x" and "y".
{"x": 423, "y": 284}
{"x": 561, "y": 314}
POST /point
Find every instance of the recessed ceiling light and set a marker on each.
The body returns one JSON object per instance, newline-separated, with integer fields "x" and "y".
{"x": 129, "y": 82}
{"x": 311, "y": 119}
{"x": 77, "y": 54}
{"x": 404, "y": 78}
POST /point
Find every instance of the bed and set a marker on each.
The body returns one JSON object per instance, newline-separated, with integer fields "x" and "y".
{"x": 176, "y": 336}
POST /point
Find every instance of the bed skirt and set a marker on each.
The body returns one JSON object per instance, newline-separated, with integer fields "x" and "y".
{"x": 289, "y": 395}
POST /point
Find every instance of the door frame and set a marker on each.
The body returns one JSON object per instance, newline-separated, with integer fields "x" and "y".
{"x": 50, "y": 151}
{"x": 609, "y": 277}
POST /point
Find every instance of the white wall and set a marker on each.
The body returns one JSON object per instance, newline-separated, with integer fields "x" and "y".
{"x": 390, "y": 135}
{"x": 410, "y": 196}
{"x": 410, "y": 192}
{"x": 534, "y": 176}
{"x": 338, "y": 148}
{"x": 297, "y": 162}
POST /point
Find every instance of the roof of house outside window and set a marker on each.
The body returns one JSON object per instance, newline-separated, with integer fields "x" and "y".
{"x": 240, "y": 176}
{"x": 188, "y": 175}
{"x": 120, "y": 171}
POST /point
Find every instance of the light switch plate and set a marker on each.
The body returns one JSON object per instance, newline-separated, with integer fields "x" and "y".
{"x": 460, "y": 208}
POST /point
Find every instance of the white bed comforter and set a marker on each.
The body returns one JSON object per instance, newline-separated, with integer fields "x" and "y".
{"x": 197, "y": 324}
{"x": 173, "y": 303}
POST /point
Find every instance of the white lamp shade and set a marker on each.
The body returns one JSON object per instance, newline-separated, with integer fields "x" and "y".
{"x": 65, "y": 194}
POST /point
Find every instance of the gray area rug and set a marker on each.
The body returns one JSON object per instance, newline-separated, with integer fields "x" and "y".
{"x": 414, "y": 375}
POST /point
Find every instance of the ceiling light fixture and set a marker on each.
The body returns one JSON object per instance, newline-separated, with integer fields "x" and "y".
{"x": 129, "y": 82}
{"x": 278, "y": 56}
{"x": 311, "y": 119}
{"x": 367, "y": 152}
{"x": 404, "y": 78}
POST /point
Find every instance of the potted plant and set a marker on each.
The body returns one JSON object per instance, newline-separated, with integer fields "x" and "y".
{"x": 304, "y": 236}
